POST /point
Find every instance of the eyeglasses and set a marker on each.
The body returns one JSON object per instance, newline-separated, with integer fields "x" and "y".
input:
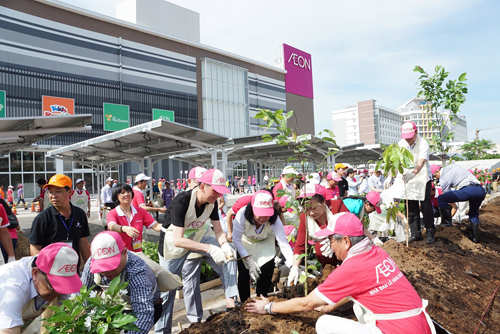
{"x": 51, "y": 288}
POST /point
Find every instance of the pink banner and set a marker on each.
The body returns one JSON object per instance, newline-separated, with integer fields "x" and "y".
{"x": 298, "y": 77}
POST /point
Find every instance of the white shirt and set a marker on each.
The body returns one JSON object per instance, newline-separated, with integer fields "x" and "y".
{"x": 352, "y": 186}
{"x": 374, "y": 181}
{"x": 277, "y": 228}
{"x": 16, "y": 290}
{"x": 423, "y": 152}
{"x": 106, "y": 192}
{"x": 363, "y": 187}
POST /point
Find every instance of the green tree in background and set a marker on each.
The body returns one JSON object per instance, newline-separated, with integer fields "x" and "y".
{"x": 476, "y": 149}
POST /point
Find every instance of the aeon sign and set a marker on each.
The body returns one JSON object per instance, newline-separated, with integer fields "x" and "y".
{"x": 298, "y": 77}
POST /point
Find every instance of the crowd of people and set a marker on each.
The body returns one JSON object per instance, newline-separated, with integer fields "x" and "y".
{"x": 334, "y": 220}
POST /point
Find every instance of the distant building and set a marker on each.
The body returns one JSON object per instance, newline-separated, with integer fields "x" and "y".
{"x": 370, "y": 123}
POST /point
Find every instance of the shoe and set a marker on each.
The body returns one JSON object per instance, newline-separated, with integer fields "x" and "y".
{"x": 430, "y": 235}
{"x": 415, "y": 238}
{"x": 475, "y": 233}
{"x": 236, "y": 304}
{"x": 445, "y": 217}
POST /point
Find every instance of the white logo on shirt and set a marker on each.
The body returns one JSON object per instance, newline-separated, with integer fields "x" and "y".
{"x": 385, "y": 268}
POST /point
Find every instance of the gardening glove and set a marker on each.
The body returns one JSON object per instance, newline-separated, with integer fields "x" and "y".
{"x": 325, "y": 249}
{"x": 11, "y": 259}
{"x": 253, "y": 268}
{"x": 294, "y": 275}
{"x": 388, "y": 182}
{"x": 229, "y": 251}
{"x": 407, "y": 177}
{"x": 377, "y": 242}
{"x": 217, "y": 254}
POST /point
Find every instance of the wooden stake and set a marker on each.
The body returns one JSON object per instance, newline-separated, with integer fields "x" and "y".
{"x": 211, "y": 312}
{"x": 180, "y": 326}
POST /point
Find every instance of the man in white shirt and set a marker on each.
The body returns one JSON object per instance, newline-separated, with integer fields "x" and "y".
{"x": 419, "y": 147}
{"x": 107, "y": 203}
{"x": 374, "y": 182}
{"x": 32, "y": 282}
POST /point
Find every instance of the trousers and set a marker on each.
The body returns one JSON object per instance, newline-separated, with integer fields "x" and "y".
{"x": 425, "y": 206}
{"x": 227, "y": 273}
{"x": 263, "y": 283}
{"x": 474, "y": 194}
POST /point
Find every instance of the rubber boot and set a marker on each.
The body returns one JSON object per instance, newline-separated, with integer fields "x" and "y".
{"x": 430, "y": 235}
{"x": 475, "y": 232}
{"x": 445, "y": 217}
{"x": 416, "y": 235}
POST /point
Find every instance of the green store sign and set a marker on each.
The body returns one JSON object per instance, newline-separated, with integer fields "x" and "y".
{"x": 3, "y": 104}
{"x": 116, "y": 117}
{"x": 163, "y": 114}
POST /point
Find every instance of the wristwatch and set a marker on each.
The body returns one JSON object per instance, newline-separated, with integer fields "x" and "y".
{"x": 269, "y": 308}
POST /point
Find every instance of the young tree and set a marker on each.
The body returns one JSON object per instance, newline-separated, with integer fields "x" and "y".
{"x": 441, "y": 97}
{"x": 476, "y": 149}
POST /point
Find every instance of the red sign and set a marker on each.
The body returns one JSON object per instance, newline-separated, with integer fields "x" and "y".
{"x": 57, "y": 106}
{"x": 298, "y": 77}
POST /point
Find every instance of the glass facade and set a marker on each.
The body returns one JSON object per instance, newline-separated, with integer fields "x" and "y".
{"x": 225, "y": 99}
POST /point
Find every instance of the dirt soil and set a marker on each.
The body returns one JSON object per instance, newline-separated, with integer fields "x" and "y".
{"x": 457, "y": 276}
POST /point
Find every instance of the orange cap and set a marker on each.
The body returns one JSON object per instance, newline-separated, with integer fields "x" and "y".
{"x": 59, "y": 180}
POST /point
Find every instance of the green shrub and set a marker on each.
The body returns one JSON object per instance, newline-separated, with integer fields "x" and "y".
{"x": 151, "y": 250}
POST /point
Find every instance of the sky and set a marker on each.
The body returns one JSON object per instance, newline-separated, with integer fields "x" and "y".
{"x": 364, "y": 49}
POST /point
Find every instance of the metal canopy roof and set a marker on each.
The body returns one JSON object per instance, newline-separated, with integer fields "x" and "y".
{"x": 155, "y": 139}
{"x": 22, "y": 132}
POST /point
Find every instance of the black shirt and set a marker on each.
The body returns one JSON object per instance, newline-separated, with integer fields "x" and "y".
{"x": 176, "y": 213}
{"x": 343, "y": 187}
{"x": 50, "y": 227}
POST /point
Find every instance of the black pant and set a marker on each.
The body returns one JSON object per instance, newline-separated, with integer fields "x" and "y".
{"x": 21, "y": 200}
{"x": 425, "y": 206}
{"x": 263, "y": 283}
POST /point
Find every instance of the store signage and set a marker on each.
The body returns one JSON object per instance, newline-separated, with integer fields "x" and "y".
{"x": 3, "y": 104}
{"x": 167, "y": 115}
{"x": 298, "y": 77}
{"x": 116, "y": 116}
{"x": 57, "y": 106}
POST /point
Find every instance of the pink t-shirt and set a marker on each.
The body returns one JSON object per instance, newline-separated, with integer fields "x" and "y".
{"x": 375, "y": 281}
{"x": 5, "y": 223}
{"x": 138, "y": 198}
{"x": 140, "y": 218}
{"x": 241, "y": 202}
{"x": 332, "y": 193}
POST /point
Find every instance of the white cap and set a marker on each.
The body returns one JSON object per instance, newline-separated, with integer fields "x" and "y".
{"x": 79, "y": 180}
{"x": 289, "y": 170}
{"x": 141, "y": 177}
{"x": 196, "y": 172}
{"x": 109, "y": 179}
{"x": 315, "y": 178}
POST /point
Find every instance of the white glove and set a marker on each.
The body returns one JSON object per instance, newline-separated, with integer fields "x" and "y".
{"x": 217, "y": 254}
{"x": 229, "y": 251}
{"x": 294, "y": 275}
{"x": 253, "y": 268}
{"x": 11, "y": 259}
{"x": 387, "y": 183}
{"x": 325, "y": 249}
{"x": 407, "y": 177}
{"x": 377, "y": 242}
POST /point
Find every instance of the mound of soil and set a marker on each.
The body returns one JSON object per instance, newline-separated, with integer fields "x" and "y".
{"x": 457, "y": 276}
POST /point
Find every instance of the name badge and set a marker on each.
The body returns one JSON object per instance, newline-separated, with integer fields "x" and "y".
{"x": 68, "y": 242}
{"x": 137, "y": 244}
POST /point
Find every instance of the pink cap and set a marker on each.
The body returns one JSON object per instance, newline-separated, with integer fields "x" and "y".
{"x": 282, "y": 201}
{"x": 215, "y": 179}
{"x": 60, "y": 263}
{"x": 196, "y": 172}
{"x": 435, "y": 168}
{"x": 106, "y": 250}
{"x": 408, "y": 130}
{"x": 374, "y": 198}
{"x": 262, "y": 204}
{"x": 311, "y": 189}
{"x": 470, "y": 170}
{"x": 344, "y": 223}
{"x": 333, "y": 176}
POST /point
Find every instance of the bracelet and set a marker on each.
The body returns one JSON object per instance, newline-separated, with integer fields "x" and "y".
{"x": 225, "y": 242}
{"x": 269, "y": 308}
{"x": 121, "y": 229}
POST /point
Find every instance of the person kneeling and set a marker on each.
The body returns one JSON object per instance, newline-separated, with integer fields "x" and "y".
{"x": 384, "y": 300}
{"x": 111, "y": 259}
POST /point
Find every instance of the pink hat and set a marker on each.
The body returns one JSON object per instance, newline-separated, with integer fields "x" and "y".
{"x": 196, "y": 172}
{"x": 282, "y": 201}
{"x": 106, "y": 250}
{"x": 215, "y": 179}
{"x": 408, "y": 130}
{"x": 344, "y": 223}
{"x": 470, "y": 170}
{"x": 333, "y": 176}
{"x": 310, "y": 190}
{"x": 435, "y": 168}
{"x": 374, "y": 198}
{"x": 20, "y": 186}
{"x": 262, "y": 204}
{"x": 60, "y": 263}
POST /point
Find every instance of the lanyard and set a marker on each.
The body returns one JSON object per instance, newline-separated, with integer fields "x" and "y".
{"x": 65, "y": 226}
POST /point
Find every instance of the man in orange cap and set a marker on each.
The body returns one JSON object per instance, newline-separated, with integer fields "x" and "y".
{"x": 61, "y": 222}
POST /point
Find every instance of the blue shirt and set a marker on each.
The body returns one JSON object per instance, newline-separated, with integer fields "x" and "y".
{"x": 142, "y": 289}
{"x": 456, "y": 176}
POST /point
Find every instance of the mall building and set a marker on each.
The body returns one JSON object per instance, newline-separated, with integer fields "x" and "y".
{"x": 149, "y": 68}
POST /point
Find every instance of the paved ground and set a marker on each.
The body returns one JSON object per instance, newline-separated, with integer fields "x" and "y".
{"x": 213, "y": 299}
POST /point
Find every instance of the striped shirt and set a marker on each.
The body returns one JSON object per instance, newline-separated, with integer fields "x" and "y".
{"x": 456, "y": 176}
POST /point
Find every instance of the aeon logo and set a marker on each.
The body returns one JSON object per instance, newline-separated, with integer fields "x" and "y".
{"x": 300, "y": 61}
